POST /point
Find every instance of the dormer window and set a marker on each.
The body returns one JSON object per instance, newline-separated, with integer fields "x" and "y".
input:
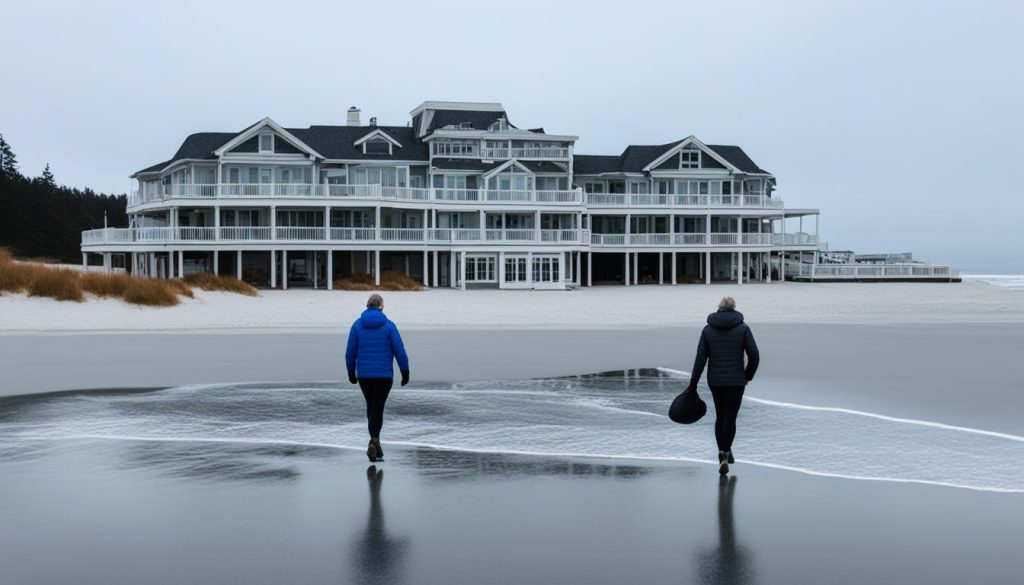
{"x": 465, "y": 125}
{"x": 266, "y": 143}
{"x": 689, "y": 159}
{"x": 377, "y": 146}
{"x": 498, "y": 125}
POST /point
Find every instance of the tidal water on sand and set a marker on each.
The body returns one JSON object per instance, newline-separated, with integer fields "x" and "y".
{"x": 609, "y": 415}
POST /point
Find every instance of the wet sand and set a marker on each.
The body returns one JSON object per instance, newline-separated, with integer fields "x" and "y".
{"x": 127, "y": 511}
{"x": 155, "y": 512}
{"x": 960, "y": 374}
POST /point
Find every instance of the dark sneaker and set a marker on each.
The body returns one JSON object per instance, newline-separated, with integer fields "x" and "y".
{"x": 723, "y": 462}
{"x": 371, "y": 451}
{"x": 731, "y": 460}
{"x": 380, "y": 452}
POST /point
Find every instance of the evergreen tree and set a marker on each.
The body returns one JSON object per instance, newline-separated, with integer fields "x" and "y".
{"x": 8, "y": 162}
{"x": 48, "y": 176}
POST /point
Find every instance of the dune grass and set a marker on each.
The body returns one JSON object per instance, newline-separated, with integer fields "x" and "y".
{"x": 62, "y": 284}
{"x": 389, "y": 281}
{"x": 59, "y": 284}
{"x": 214, "y": 282}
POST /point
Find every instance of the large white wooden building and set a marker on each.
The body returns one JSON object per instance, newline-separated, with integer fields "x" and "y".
{"x": 459, "y": 197}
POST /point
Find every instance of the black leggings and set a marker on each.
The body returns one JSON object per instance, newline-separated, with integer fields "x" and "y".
{"x": 727, "y": 406}
{"x": 375, "y": 391}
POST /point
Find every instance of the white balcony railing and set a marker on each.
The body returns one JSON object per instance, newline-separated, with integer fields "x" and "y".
{"x": 867, "y": 271}
{"x": 188, "y": 235}
{"x": 678, "y": 200}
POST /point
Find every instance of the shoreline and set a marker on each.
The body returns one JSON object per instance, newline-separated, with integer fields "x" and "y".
{"x": 597, "y": 308}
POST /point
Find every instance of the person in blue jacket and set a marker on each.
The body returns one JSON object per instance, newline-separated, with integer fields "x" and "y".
{"x": 373, "y": 346}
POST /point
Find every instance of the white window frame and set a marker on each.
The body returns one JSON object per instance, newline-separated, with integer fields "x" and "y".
{"x": 481, "y": 268}
{"x": 515, "y": 269}
{"x": 689, "y": 158}
{"x": 266, "y": 135}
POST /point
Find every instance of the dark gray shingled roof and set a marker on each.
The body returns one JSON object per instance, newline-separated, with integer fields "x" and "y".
{"x": 338, "y": 142}
{"x": 636, "y": 157}
{"x": 333, "y": 142}
{"x": 480, "y": 120}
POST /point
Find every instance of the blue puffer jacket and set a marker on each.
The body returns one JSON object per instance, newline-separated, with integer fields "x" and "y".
{"x": 373, "y": 345}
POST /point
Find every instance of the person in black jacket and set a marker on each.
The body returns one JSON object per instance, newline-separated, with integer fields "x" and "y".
{"x": 722, "y": 344}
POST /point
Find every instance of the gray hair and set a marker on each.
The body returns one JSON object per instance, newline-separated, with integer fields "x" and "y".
{"x": 375, "y": 301}
{"x": 727, "y": 304}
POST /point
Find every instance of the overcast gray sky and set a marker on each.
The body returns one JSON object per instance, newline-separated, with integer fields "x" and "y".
{"x": 901, "y": 121}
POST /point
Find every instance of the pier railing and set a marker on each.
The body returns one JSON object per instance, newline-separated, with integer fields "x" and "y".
{"x": 867, "y": 271}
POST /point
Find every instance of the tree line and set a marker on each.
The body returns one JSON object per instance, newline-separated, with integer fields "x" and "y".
{"x": 41, "y": 219}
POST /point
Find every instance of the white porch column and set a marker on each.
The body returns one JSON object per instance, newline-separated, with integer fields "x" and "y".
{"x": 590, "y": 269}
{"x": 674, "y": 279}
{"x": 768, "y": 276}
{"x": 661, "y": 268}
{"x": 529, "y": 269}
{"x": 707, "y": 270}
{"x": 273, "y": 269}
{"x": 636, "y": 267}
{"x": 376, "y": 263}
{"x": 216, "y": 262}
{"x": 452, "y": 280}
{"x": 739, "y": 268}
{"x": 327, "y": 224}
{"x": 330, "y": 269}
{"x": 627, "y": 268}
{"x": 782, "y": 266}
{"x": 284, "y": 269}
{"x": 150, "y": 264}
{"x": 85, "y": 260}
{"x": 181, "y": 263}
{"x": 273, "y": 223}
{"x": 501, "y": 270}
{"x": 578, "y": 279}
{"x": 238, "y": 265}
{"x": 106, "y": 262}
{"x": 462, "y": 270}
{"x": 426, "y": 268}
{"x": 436, "y": 270}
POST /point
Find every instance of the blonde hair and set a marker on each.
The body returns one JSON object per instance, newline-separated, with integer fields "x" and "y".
{"x": 727, "y": 304}
{"x": 375, "y": 300}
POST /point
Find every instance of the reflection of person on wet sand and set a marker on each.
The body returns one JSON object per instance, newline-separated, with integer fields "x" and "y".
{"x": 729, "y": 562}
{"x": 378, "y": 556}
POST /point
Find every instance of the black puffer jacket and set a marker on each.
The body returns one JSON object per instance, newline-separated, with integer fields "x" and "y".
{"x": 723, "y": 343}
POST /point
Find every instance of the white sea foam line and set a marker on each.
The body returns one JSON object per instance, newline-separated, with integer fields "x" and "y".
{"x": 911, "y": 421}
{"x": 532, "y": 454}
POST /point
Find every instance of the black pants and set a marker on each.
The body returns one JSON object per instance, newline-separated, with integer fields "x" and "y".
{"x": 727, "y": 406}
{"x": 375, "y": 391}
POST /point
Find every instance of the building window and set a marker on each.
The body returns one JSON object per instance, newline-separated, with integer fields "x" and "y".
{"x": 266, "y": 143}
{"x": 545, "y": 269}
{"x": 689, "y": 159}
{"x": 480, "y": 269}
{"x": 515, "y": 269}
{"x": 377, "y": 146}
{"x": 726, "y": 187}
{"x": 594, "y": 187}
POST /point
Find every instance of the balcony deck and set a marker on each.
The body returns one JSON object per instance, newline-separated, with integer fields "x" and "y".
{"x": 371, "y": 193}
{"x": 363, "y": 236}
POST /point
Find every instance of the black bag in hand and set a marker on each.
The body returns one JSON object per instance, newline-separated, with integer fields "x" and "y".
{"x": 687, "y": 408}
